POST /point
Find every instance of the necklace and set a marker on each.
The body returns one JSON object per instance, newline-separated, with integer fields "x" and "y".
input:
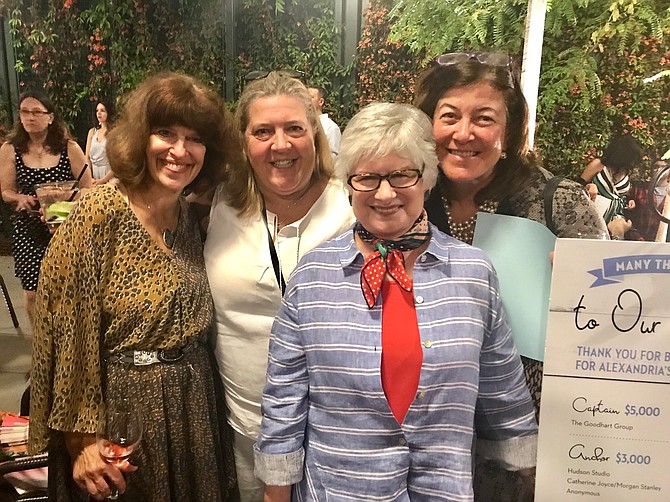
{"x": 465, "y": 231}
{"x": 169, "y": 237}
{"x": 280, "y": 223}
{"x": 297, "y": 201}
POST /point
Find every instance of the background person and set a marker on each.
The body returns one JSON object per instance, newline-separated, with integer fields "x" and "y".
{"x": 607, "y": 176}
{"x": 648, "y": 200}
{"x": 480, "y": 124}
{"x": 38, "y": 150}
{"x": 125, "y": 274}
{"x": 96, "y": 142}
{"x": 332, "y": 130}
{"x": 271, "y": 210}
{"x": 392, "y": 346}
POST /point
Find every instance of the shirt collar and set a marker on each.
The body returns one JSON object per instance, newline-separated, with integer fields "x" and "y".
{"x": 438, "y": 247}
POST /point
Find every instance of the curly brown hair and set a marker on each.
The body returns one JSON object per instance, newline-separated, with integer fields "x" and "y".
{"x": 164, "y": 100}
{"x": 512, "y": 173}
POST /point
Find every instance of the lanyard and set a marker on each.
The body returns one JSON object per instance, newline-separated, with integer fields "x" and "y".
{"x": 273, "y": 254}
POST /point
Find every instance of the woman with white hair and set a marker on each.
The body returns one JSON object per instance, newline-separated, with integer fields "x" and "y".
{"x": 391, "y": 350}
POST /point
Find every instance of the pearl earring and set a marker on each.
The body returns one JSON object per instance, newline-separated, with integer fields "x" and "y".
{"x": 503, "y": 155}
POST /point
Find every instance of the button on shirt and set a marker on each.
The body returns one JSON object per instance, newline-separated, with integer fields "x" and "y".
{"x": 327, "y": 425}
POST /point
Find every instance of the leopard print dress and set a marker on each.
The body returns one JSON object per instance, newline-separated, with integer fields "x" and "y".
{"x": 573, "y": 214}
{"x": 105, "y": 285}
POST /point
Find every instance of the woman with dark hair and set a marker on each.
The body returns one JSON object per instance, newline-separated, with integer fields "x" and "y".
{"x": 607, "y": 176}
{"x": 96, "y": 155}
{"x": 276, "y": 205}
{"x": 123, "y": 292}
{"x": 480, "y": 124}
{"x": 480, "y": 121}
{"x": 38, "y": 150}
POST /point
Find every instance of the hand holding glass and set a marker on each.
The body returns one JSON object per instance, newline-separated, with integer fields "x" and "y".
{"x": 119, "y": 433}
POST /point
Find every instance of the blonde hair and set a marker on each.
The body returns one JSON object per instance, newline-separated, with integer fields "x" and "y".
{"x": 240, "y": 189}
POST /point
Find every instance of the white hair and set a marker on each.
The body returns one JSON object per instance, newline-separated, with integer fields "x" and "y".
{"x": 383, "y": 129}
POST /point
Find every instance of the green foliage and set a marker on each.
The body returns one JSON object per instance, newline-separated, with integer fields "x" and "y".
{"x": 386, "y": 70}
{"x": 595, "y": 56}
{"x": 49, "y": 42}
{"x": 437, "y": 26}
{"x": 80, "y": 50}
{"x": 102, "y": 49}
{"x": 591, "y": 84}
{"x": 295, "y": 34}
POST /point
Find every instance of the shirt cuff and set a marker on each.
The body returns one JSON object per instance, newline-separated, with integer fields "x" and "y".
{"x": 279, "y": 469}
{"x": 512, "y": 454}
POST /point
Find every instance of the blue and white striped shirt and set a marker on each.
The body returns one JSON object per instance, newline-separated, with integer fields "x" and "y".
{"x": 327, "y": 425}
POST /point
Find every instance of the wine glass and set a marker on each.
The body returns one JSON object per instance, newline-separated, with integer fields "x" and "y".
{"x": 119, "y": 432}
{"x": 55, "y": 199}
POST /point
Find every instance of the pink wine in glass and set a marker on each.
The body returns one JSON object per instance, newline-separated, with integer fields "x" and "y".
{"x": 119, "y": 432}
{"x": 115, "y": 454}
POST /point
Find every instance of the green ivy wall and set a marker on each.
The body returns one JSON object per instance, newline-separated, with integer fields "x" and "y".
{"x": 592, "y": 75}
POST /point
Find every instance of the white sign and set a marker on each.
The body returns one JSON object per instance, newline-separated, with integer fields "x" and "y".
{"x": 605, "y": 408}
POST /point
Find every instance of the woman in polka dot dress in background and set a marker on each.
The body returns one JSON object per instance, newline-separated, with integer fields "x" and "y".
{"x": 38, "y": 150}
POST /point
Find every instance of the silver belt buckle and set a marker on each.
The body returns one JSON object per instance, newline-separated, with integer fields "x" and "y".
{"x": 144, "y": 357}
{"x": 170, "y": 355}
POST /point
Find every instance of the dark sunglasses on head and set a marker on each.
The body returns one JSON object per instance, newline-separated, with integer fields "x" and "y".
{"x": 486, "y": 58}
{"x": 259, "y": 74}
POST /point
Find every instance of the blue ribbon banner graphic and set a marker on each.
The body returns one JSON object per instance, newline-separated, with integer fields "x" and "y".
{"x": 626, "y": 265}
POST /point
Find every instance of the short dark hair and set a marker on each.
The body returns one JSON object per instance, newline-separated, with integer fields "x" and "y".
{"x": 172, "y": 99}
{"x": 57, "y": 132}
{"x": 511, "y": 173}
{"x": 323, "y": 94}
{"x": 621, "y": 154}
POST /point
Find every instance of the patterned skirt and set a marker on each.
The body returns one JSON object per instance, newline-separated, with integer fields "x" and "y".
{"x": 186, "y": 451}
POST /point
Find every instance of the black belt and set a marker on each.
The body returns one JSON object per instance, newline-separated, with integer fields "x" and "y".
{"x": 148, "y": 357}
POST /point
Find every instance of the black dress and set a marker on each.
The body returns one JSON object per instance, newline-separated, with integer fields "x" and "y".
{"x": 31, "y": 236}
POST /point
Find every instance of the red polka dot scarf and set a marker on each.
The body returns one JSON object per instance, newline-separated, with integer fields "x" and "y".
{"x": 388, "y": 258}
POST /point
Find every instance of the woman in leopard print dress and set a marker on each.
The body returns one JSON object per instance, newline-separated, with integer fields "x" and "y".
{"x": 124, "y": 310}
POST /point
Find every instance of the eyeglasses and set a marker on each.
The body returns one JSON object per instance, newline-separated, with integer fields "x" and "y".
{"x": 487, "y": 58}
{"x": 368, "y": 182}
{"x": 34, "y": 113}
{"x": 259, "y": 74}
